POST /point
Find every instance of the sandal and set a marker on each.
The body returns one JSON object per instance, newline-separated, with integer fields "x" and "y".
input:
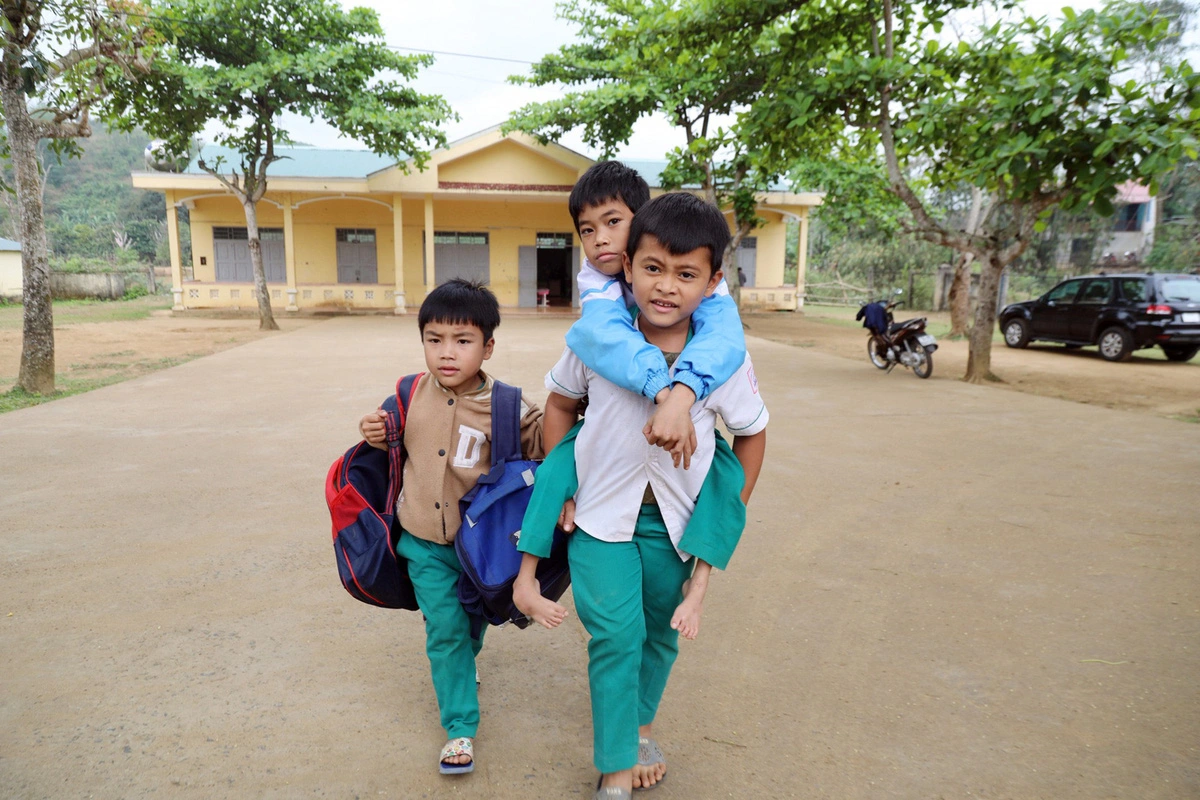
{"x": 649, "y": 754}
{"x": 610, "y": 792}
{"x": 457, "y": 747}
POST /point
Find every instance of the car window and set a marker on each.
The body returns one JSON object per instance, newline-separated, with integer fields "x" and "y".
{"x": 1096, "y": 292}
{"x": 1133, "y": 290}
{"x": 1064, "y": 292}
{"x": 1184, "y": 289}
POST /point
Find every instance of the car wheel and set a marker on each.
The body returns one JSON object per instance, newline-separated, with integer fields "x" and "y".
{"x": 877, "y": 352}
{"x": 1180, "y": 352}
{"x": 1116, "y": 344}
{"x": 1016, "y": 333}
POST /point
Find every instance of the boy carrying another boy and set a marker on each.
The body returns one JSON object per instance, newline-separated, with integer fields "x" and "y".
{"x": 447, "y": 446}
{"x": 630, "y": 569}
{"x": 602, "y": 205}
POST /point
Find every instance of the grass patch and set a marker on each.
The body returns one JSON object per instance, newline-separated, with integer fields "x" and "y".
{"x": 17, "y": 397}
{"x": 1192, "y": 418}
{"x": 84, "y": 378}
{"x": 68, "y": 312}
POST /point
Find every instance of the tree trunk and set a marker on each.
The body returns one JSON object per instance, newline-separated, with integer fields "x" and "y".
{"x": 266, "y": 320}
{"x": 979, "y": 359}
{"x": 37, "y": 345}
{"x": 960, "y": 295}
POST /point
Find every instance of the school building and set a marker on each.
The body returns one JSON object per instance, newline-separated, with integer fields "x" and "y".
{"x": 350, "y": 230}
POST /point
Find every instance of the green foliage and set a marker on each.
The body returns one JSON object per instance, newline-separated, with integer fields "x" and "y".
{"x": 638, "y": 59}
{"x": 304, "y": 57}
{"x": 135, "y": 291}
{"x": 1176, "y": 249}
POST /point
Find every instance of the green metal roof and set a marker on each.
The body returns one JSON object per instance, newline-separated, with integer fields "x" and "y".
{"x": 302, "y": 162}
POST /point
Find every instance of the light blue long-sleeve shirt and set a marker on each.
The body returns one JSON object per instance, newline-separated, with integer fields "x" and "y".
{"x": 605, "y": 339}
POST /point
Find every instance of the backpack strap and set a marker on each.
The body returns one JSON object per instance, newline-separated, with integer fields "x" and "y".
{"x": 506, "y": 429}
{"x": 506, "y": 423}
{"x": 396, "y": 408}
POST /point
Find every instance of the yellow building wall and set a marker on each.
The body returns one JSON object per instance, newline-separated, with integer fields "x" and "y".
{"x": 772, "y": 247}
{"x": 316, "y": 227}
{"x": 508, "y": 163}
{"x": 12, "y": 279}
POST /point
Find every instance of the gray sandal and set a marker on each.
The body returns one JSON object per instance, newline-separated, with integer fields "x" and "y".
{"x": 610, "y": 792}
{"x": 649, "y": 754}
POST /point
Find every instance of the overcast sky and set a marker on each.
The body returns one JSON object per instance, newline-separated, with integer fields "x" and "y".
{"x": 476, "y": 88}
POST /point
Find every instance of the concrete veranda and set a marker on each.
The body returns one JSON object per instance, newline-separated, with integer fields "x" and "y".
{"x": 945, "y": 591}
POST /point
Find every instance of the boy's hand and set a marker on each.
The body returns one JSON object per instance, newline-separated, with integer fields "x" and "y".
{"x": 671, "y": 426}
{"x": 566, "y": 519}
{"x": 373, "y": 429}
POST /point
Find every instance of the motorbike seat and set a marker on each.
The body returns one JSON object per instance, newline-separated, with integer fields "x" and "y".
{"x": 895, "y": 326}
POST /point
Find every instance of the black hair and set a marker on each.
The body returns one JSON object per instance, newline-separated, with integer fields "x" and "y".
{"x": 681, "y": 222}
{"x": 604, "y": 181}
{"x": 461, "y": 302}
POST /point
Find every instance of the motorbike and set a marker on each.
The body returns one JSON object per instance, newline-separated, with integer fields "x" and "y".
{"x": 891, "y": 343}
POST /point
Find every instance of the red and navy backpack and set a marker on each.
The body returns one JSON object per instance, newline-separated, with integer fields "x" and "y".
{"x": 361, "y": 490}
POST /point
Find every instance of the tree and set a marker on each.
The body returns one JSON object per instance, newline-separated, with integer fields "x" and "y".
{"x": 1036, "y": 116}
{"x": 245, "y": 63}
{"x": 60, "y": 59}
{"x": 640, "y": 58}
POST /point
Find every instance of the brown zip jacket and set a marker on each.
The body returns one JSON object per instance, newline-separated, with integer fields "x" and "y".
{"x": 448, "y": 441}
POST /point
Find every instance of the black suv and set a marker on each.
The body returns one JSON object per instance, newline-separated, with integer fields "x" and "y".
{"x": 1120, "y": 313}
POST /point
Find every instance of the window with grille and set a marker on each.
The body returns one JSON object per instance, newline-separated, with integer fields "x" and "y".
{"x": 458, "y": 237}
{"x": 554, "y": 241}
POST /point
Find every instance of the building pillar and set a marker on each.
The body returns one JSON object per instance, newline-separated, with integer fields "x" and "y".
{"x": 802, "y": 259}
{"x": 176, "y": 257}
{"x": 398, "y": 239}
{"x": 289, "y": 252}
{"x": 429, "y": 270}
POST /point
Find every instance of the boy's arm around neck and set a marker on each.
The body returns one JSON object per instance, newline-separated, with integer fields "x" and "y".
{"x": 605, "y": 340}
{"x": 717, "y": 348}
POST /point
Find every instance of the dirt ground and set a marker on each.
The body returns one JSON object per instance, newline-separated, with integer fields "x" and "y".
{"x": 1147, "y": 382}
{"x": 944, "y": 590}
{"x": 98, "y": 353}
{"x": 101, "y": 351}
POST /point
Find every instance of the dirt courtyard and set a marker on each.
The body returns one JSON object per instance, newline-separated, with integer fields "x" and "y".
{"x": 944, "y": 590}
{"x": 100, "y": 351}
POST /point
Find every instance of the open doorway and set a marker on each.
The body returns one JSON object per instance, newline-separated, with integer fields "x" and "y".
{"x": 554, "y": 262}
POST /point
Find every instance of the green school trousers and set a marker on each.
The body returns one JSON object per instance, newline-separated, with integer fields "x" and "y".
{"x": 712, "y": 533}
{"x": 625, "y": 594}
{"x": 434, "y": 570}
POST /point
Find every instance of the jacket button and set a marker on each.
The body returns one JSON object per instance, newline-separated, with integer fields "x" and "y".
{"x": 441, "y": 452}
{"x": 437, "y": 505}
{"x": 450, "y": 402}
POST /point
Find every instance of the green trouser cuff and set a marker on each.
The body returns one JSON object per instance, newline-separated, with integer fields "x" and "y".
{"x": 554, "y": 483}
{"x": 716, "y": 524}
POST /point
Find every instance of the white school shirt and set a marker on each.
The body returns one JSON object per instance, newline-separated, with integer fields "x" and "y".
{"x": 595, "y": 285}
{"x": 614, "y": 462}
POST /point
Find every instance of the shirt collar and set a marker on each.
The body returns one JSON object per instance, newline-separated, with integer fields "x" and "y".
{"x": 482, "y": 390}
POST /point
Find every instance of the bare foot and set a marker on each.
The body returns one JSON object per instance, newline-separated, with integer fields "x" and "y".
{"x": 686, "y": 618}
{"x": 647, "y": 775}
{"x": 527, "y": 597}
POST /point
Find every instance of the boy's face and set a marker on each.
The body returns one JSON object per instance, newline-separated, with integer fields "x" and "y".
{"x": 604, "y": 231}
{"x": 454, "y": 352}
{"x": 668, "y": 288}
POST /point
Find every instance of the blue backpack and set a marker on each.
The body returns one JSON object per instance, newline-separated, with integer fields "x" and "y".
{"x": 361, "y": 490}
{"x": 491, "y": 525}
